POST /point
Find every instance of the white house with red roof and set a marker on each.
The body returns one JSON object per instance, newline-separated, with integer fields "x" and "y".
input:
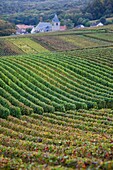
{"x": 22, "y": 29}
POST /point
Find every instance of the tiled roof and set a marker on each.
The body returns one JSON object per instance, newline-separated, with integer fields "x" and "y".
{"x": 63, "y": 27}
{"x": 80, "y": 26}
{"x": 22, "y": 26}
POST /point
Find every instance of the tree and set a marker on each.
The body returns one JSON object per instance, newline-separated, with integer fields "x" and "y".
{"x": 96, "y": 9}
{"x": 6, "y": 28}
{"x": 29, "y": 30}
{"x": 69, "y": 23}
{"x": 103, "y": 20}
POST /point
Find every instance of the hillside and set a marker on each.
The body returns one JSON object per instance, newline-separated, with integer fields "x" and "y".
{"x": 42, "y": 87}
{"x": 38, "y": 5}
{"x": 29, "y": 12}
{"x": 70, "y": 12}
{"x": 99, "y": 8}
{"x": 41, "y": 142}
{"x": 57, "y": 41}
{"x": 56, "y": 100}
{"x": 45, "y": 92}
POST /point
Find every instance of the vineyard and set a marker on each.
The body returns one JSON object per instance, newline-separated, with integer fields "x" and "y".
{"x": 61, "y": 41}
{"x": 7, "y": 48}
{"x": 56, "y": 101}
{"x": 27, "y": 45}
{"x": 41, "y": 142}
{"x": 56, "y": 82}
{"x": 105, "y": 37}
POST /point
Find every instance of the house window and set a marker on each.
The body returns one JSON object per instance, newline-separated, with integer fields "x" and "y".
{"x": 57, "y": 24}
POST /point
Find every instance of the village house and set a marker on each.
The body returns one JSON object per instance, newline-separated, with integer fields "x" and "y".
{"x": 80, "y": 26}
{"x": 97, "y": 24}
{"x": 22, "y": 29}
{"x": 47, "y": 26}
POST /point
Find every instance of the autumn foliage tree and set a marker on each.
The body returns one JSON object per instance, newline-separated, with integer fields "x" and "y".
{"x": 6, "y": 28}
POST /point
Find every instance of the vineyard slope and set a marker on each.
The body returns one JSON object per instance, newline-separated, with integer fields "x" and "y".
{"x": 49, "y": 82}
{"x": 41, "y": 142}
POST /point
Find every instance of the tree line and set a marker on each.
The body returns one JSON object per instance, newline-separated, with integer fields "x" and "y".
{"x": 99, "y": 8}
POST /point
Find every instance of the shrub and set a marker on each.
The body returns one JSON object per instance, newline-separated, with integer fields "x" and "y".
{"x": 70, "y": 106}
{"x": 4, "y": 112}
{"x": 91, "y": 105}
{"x": 80, "y": 105}
{"x": 59, "y": 107}
{"x": 15, "y": 111}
